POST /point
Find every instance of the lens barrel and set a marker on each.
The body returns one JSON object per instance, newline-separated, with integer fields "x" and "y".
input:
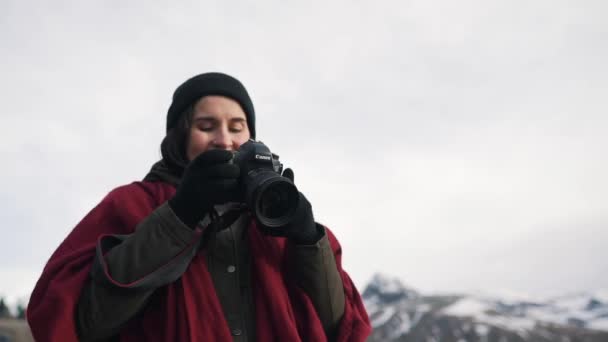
{"x": 272, "y": 198}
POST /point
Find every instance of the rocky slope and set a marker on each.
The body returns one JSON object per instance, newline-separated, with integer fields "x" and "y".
{"x": 399, "y": 313}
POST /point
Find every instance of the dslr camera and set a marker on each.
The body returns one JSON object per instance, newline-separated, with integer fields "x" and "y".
{"x": 272, "y": 198}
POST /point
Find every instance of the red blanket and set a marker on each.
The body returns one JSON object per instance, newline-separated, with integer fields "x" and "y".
{"x": 188, "y": 309}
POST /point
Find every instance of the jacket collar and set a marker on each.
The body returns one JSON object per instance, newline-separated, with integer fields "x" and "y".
{"x": 160, "y": 172}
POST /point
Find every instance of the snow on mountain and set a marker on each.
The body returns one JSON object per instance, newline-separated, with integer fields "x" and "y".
{"x": 484, "y": 311}
{"x": 400, "y": 313}
{"x": 393, "y": 308}
{"x": 387, "y": 289}
{"x": 584, "y": 310}
{"x": 599, "y": 324}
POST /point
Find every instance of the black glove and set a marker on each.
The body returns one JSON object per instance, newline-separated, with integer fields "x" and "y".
{"x": 302, "y": 229}
{"x": 208, "y": 180}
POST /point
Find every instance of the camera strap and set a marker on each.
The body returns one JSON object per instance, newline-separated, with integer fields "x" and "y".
{"x": 220, "y": 222}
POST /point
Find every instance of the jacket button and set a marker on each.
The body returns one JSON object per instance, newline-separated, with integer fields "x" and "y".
{"x": 237, "y": 332}
{"x": 231, "y": 269}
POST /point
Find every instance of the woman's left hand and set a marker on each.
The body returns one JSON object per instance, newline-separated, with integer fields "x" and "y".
{"x": 302, "y": 229}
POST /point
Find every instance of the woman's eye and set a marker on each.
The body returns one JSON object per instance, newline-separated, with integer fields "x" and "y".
{"x": 206, "y": 128}
{"x": 236, "y": 128}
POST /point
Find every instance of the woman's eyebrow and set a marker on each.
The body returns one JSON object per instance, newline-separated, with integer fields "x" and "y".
{"x": 211, "y": 118}
{"x": 205, "y": 118}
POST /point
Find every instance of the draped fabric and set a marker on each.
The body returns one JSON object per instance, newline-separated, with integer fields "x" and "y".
{"x": 187, "y": 309}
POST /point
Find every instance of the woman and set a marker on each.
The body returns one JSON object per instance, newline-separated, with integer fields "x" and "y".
{"x": 177, "y": 257}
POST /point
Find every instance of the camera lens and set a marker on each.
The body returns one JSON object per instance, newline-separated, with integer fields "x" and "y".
{"x": 275, "y": 200}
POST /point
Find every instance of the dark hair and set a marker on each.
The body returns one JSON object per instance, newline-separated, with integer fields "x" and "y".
{"x": 173, "y": 146}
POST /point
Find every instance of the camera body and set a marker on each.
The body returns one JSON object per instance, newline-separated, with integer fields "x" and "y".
{"x": 271, "y": 197}
{"x": 254, "y": 155}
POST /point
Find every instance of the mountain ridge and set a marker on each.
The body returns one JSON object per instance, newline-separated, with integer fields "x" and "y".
{"x": 401, "y": 313}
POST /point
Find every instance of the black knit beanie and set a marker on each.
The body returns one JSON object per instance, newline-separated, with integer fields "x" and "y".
{"x": 211, "y": 83}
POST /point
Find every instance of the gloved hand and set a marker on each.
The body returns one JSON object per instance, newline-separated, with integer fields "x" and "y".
{"x": 208, "y": 180}
{"x": 302, "y": 229}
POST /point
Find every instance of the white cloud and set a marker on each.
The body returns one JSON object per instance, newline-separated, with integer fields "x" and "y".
{"x": 427, "y": 133}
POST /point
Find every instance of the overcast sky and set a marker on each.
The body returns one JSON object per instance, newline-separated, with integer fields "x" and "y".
{"x": 457, "y": 145}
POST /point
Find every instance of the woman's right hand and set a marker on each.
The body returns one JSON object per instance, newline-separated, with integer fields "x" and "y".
{"x": 208, "y": 180}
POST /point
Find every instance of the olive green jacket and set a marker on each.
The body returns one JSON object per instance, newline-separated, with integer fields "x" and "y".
{"x": 103, "y": 310}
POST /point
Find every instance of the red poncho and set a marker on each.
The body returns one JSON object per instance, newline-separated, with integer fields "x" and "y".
{"x": 189, "y": 309}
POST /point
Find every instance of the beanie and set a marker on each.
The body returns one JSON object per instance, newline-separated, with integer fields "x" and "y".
{"x": 211, "y": 83}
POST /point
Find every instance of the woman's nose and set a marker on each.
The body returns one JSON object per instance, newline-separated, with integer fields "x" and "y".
{"x": 222, "y": 140}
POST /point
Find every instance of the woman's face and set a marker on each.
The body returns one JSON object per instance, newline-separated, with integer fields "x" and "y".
{"x": 218, "y": 122}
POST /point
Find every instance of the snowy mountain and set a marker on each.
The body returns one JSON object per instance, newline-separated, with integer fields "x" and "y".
{"x": 400, "y": 313}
